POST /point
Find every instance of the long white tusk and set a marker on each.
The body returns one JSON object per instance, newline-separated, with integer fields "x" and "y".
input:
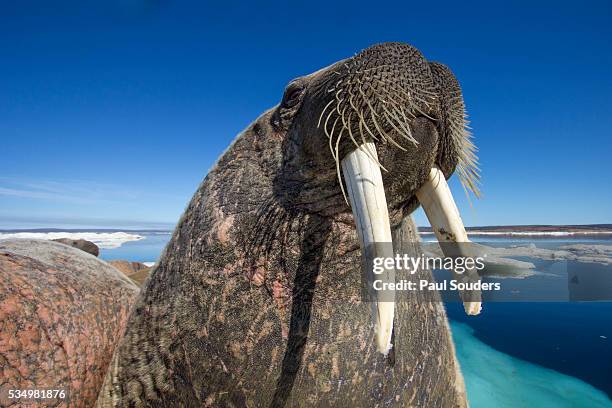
{"x": 441, "y": 210}
{"x": 367, "y": 196}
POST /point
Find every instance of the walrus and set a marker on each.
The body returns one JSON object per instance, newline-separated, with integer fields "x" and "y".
{"x": 258, "y": 301}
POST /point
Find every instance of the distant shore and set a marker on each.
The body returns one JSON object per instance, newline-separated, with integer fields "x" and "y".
{"x": 599, "y": 230}
{"x": 78, "y": 230}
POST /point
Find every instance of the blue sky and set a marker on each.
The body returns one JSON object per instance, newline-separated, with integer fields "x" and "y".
{"x": 112, "y": 112}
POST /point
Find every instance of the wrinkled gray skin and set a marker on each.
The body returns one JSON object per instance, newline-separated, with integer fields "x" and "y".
{"x": 256, "y": 299}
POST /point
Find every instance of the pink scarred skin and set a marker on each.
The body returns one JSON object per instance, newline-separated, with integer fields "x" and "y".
{"x": 62, "y": 312}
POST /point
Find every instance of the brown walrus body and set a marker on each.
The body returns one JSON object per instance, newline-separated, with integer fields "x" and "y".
{"x": 257, "y": 301}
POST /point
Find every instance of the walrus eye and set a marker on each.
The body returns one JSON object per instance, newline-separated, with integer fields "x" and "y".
{"x": 293, "y": 97}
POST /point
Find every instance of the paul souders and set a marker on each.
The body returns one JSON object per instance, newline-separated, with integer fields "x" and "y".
{"x": 424, "y": 284}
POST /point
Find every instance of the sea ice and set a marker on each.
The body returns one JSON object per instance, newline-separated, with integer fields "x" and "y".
{"x": 106, "y": 240}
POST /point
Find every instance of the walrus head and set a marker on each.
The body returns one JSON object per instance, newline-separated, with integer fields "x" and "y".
{"x": 382, "y": 130}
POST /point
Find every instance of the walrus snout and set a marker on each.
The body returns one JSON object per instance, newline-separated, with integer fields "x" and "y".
{"x": 386, "y": 89}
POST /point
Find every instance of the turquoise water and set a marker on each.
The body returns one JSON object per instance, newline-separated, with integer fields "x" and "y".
{"x": 514, "y": 354}
{"x": 495, "y": 379}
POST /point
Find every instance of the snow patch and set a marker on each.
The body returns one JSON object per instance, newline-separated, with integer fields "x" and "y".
{"x": 106, "y": 240}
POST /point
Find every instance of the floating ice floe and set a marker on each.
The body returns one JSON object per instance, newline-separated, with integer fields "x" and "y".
{"x": 500, "y": 263}
{"x": 588, "y": 253}
{"x": 497, "y": 265}
{"x": 106, "y": 240}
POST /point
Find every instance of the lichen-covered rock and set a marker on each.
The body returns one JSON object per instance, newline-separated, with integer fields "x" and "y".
{"x": 62, "y": 311}
{"x": 81, "y": 244}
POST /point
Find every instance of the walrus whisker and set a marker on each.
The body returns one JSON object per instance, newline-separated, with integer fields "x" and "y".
{"x": 367, "y": 150}
{"x": 416, "y": 107}
{"x": 337, "y": 95}
{"x": 329, "y": 115}
{"x": 396, "y": 104}
{"x": 423, "y": 101}
{"x": 362, "y": 122}
{"x": 372, "y": 154}
{"x": 407, "y": 117}
{"x": 411, "y": 97}
{"x": 406, "y": 123}
{"x": 380, "y": 130}
{"x": 390, "y": 138}
{"x": 393, "y": 119}
{"x": 361, "y": 131}
{"x": 373, "y": 115}
{"x": 331, "y": 139}
{"x": 401, "y": 89}
{"x": 467, "y": 166}
{"x": 351, "y": 101}
{"x": 403, "y": 131}
{"x": 366, "y": 70}
{"x": 363, "y": 118}
{"x": 348, "y": 126}
{"x": 322, "y": 112}
{"x": 358, "y": 113}
{"x": 338, "y": 168}
{"x": 350, "y": 131}
{"x": 372, "y": 110}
